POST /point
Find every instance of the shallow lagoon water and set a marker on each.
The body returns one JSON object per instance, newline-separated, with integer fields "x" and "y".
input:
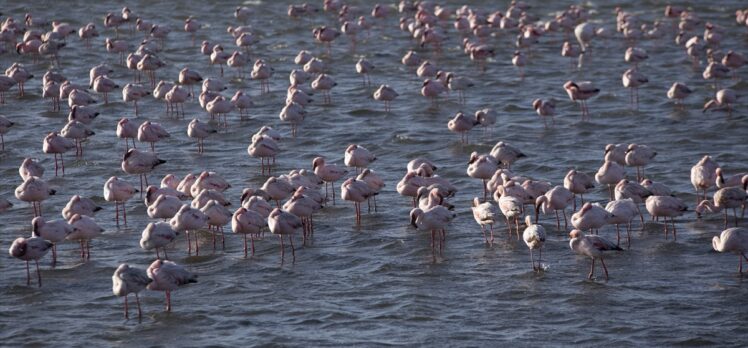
{"x": 377, "y": 284}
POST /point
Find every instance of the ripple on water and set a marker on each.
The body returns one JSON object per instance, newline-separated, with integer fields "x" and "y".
{"x": 378, "y": 284}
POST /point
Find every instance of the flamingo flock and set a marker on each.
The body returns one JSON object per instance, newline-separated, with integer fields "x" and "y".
{"x": 199, "y": 203}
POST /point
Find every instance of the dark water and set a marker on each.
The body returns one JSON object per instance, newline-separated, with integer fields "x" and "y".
{"x": 376, "y": 284}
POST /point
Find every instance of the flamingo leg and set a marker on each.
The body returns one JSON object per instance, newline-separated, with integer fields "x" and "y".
{"x": 735, "y": 215}
{"x": 604, "y": 268}
{"x": 137, "y": 300}
{"x": 127, "y": 314}
{"x": 197, "y": 244}
{"x": 28, "y": 274}
{"x": 592, "y": 270}
{"x": 332, "y": 188}
{"x": 189, "y": 242}
{"x": 509, "y": 228}
{"x": 628, "y": 235}
{"x": 38, "y": 274}
{"x": 491, "y": 240}
{"x": 618, "y": 236}
{"x": 532, "y": 260}
{"x": 283, "y": 251}
{"x": 293, "y": 249}
{"x": 740, "y": 264}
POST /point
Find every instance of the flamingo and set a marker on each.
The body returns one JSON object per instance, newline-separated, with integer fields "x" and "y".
{"x": 506, "y": 154}
{"x": 303, "y": 203}
{"x": 189, "y": 219}
{"x": 218, "y": 216}
{"x": 262, "y": 72}
{"x": 578, "y": 183}
{"x": 248, "y": 222}
{"x": 54, "y": 231}
{"x": 571, "y": 51}
{"x": 79, "y": 205}
{"x": 127, "y": 130}
{"x": 725, "y": 198}
{"x": 5, "y": 124}
{"x": 27, "y": 249}
{"x": 133, "y": 93}
{"x": 482, "y": 167}
{"x": 329, "y": 173}
{"x": 486, "y": 117}
{"x": 623, "y": 211}
{"x": 164, "y": 207}
{"x": 105, "y": 85}
{"x": 78, "y": 132}
{"x": 176, "y": 97}
{"x": 326, "y": 35}
{"x": 633, "y": 79}
{"x": 167, "y": 276}
{"x": 459, "y": 84}
{"x": 127, "y": 280}
{"x": 243, "y": 102}
{"x": 57, "y": 145}
{"x": 511, "y": 207}
{"x": 435, "y": 220}
{"x": 735, "y": 240}
{"x": 610, "y": 173}
{"x": 432, "y": 89}
{"x": 581, "y": 91}
{"x": 656, "y": 188}
{"x": 364, "y": 67}
{"x": 679, "y": 92}
{"x": 734, "y": 180}
{"x": 703, "y": 176}
{"x": 386, "y": 94}
{"x": 20, "y": 75}
{"x": 34, "y": 190}
{"x": 200, "y": 131}
{"x": 557, "y": 198}
{"x": 639, "y": 156}
{"x": 591, "y": 216}
{"x": 616, "y": 153}
{"x": 283, "y": 223}
{"x": 82, "y": 114}
{"x": 724, "y": 98}
{"x": 534, "y": 237}
{"x": 484, "y": 214}
{"x": 635, "y": 55}
{"x": 191, "y": 25}
{"x": 520, "y": 60}
{"x": 358, "y": 157}
{"x": 190, "y": 78}
{"x": 263, "y": 146}
{"x": 592, "y": 246}
{"x": 666, "y": 206}
{"x": 139, "y": 162}
{"x": 293, "y": 113}
{"x": 324, "y": 83}
{"x": 84, "y": 229}
{"x": 462, "y": 124}
{"x": 545, "y": 109}
{"x": 119, "y": 191}
{"x": 30, "y": 167}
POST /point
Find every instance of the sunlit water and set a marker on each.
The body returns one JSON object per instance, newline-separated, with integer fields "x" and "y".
{"x": 377, "y": 284}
